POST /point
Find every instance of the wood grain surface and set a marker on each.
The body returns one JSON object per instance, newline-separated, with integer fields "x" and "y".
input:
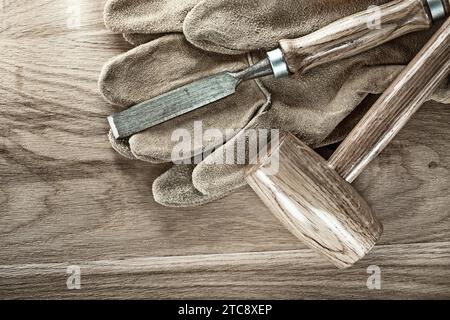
{"x": 67, "y": 199}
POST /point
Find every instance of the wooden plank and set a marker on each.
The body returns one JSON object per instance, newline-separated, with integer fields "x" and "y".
{"x": 54, "y": 209}
{"x": 407, "y": 272}
{"x": 67, "y": 198}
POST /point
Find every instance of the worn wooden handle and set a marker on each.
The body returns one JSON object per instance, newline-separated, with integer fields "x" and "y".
{"x": 355, "y": 34}
{"x": 395, "y": 107}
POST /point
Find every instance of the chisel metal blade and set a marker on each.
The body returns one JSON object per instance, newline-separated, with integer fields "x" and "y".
{"x": 172, "y": 104}
{"x": 183, "y": 100}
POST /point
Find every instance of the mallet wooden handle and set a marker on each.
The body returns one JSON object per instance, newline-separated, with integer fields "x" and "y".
{"x": 355, "y": 34}
{"x": 395, "y": 107}
{"x": 312, "y": 198}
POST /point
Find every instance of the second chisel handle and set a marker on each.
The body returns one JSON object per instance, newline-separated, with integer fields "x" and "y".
{"x": 356, "y": 34}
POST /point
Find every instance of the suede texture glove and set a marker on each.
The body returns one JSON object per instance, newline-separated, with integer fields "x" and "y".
{"x": 178, "y": 42}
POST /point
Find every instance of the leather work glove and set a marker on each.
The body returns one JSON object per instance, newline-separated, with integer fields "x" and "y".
{"x": 178, "y": 42}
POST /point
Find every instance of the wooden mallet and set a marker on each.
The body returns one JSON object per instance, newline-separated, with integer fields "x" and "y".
{"x": 313, "y": 198}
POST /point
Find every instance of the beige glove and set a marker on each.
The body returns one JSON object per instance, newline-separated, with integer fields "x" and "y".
{"x": 311, "y": 106}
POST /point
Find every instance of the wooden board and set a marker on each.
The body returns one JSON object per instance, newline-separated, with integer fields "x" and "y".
{"x": 67, "y": 199}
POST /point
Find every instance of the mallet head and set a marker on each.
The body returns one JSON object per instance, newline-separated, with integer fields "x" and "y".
{"x": 315, "y": 203}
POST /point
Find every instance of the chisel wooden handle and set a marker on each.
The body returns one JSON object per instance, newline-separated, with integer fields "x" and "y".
{"x": 313, "y": 198}
{"x": 395, "y": 107}
{"x": 357, "y": 33}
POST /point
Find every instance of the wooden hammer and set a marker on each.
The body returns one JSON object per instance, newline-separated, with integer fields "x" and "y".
{"x": 313, "y": 198}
